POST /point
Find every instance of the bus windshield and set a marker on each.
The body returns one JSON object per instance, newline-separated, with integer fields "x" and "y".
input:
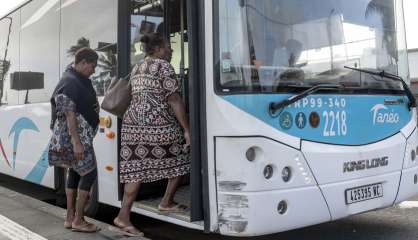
{"x": 277, "y": 45}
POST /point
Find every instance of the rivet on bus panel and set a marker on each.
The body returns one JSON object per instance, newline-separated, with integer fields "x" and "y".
{"x": 110, "y": 135}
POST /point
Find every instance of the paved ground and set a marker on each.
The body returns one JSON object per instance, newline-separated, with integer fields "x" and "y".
{"x": 26, "y": 218}
{"x": 396, "y": 223}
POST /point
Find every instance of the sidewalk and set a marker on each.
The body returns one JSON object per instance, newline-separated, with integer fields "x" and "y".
{"x": 26, "y": 218}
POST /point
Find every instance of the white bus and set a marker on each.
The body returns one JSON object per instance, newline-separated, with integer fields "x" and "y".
{"x": 300, "y": 109}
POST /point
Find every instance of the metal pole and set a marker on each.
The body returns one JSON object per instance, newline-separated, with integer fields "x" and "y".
{"x": 4, "y": 60}
{"x": 181, "y": 74}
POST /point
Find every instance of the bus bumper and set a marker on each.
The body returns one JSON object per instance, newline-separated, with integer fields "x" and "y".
{"x": 256, "y": 213}
{"x": 339, "y": 206}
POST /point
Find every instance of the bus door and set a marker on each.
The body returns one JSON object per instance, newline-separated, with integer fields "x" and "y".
{"x": 170, "y": 19}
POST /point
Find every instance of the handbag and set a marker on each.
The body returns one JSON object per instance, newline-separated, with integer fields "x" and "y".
{"x": 117, "y": 96}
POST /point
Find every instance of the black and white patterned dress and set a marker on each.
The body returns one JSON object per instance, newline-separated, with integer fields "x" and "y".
{"x": 151, "y": 138}
{"x": 61, "y": 152}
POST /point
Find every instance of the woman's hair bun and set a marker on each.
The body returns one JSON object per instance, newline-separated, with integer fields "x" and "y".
{"x": 145, "y": 39}
{"x": 150, "y": 42}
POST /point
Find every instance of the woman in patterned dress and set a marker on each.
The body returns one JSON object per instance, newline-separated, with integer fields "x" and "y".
{"x": 155, "y": 131}
{"x": 75, "y": 118}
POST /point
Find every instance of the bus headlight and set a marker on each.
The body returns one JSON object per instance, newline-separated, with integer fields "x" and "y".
{"x": 268, "y": 171}
{"x": 250, "y": 154}
{"x": 286, "y": 174}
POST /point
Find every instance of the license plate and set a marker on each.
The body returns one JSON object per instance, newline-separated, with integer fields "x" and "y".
{"x": 363, "y": 193}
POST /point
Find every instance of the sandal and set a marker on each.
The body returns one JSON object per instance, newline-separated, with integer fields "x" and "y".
{"x": 67, "y": 224}
{"x": 175, "y": 208}
{"x": 129, "y": 231}
{"x": 85, "y": 228}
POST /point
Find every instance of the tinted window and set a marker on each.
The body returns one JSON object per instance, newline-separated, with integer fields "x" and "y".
{"x": 91, "y": 23}
{"x": 39, "y": 51}
{"x": 9, "y": 57}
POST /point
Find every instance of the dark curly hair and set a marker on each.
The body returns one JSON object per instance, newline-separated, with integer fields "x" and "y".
{"x": 87, "y": 54}
{"x": 150, "y": 42}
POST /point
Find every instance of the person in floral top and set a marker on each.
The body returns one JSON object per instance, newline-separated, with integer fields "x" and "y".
{"x": 75, "y": 119}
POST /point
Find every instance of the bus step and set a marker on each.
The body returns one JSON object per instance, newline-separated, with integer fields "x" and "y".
{"x": 182, "y": 197}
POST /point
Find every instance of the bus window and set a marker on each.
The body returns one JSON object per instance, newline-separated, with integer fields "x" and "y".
{"x": 145, "y": 18}
{"x": 291, "y": 43}
{"x": 177, "y": 28}
{"x": 9, "y": 57}
{"x": 39, "y": 52}
{"x": 90, "y": 23}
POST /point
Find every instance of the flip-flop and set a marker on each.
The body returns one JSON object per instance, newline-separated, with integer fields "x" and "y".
{"x": 129, "y": 231}
{"x": 176, "y": 208}
{"x": 67, "y": 225}
{"x": 85, "y": 228}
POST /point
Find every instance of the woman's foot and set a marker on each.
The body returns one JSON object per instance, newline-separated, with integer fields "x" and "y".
{"x": 85, "y": 227}
{"x": 172, "y": 208}
{"x": 125, "y": 228}
{"x": 69, "y": 219}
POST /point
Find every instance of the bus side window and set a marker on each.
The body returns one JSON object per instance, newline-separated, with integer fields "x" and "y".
{"x": 93, "y": 24}
{"x": 39, "y": 53}
{"x": 9, "y": 57}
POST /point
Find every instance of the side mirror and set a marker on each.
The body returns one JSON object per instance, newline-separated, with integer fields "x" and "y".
{"x": 26, "y": 80}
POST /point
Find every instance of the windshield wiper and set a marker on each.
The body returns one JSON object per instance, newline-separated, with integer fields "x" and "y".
{"x": 394, "y": 77}
{"x": 276, "y": 106}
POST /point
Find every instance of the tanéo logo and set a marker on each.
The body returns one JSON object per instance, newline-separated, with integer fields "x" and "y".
{"x": 365, "y": 164}
{"x": 381, "y": 115}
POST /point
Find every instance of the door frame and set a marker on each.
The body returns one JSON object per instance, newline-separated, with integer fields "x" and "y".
{"x": 197, "y": 105}
{"x": 197, "y": 100}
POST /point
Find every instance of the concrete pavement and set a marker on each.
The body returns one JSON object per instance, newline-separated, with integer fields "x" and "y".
{"x": 26, "y": 218}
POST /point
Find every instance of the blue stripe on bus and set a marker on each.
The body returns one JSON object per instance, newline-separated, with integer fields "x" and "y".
{"x": 20, "y": 125}
{"x": 343, "y": 119}
{"x": 38, "y": 172}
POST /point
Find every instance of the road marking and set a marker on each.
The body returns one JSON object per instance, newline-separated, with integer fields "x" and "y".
{"x": 14, "y": 231}
{"x": 409, "y": 204}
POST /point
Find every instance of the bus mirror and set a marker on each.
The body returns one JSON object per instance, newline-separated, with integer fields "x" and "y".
{"x": 26, "y": 80}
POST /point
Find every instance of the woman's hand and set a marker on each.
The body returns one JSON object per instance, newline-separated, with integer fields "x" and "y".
{"x": 177, "y": 104}
{"x": 78, "y": 151}
{"x": 187, "y": 138}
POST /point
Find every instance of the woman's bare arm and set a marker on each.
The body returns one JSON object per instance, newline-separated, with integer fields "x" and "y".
{"x": 179, "y": 108}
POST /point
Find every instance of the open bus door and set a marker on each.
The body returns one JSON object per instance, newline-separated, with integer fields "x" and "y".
{"x": 171, "y": 19}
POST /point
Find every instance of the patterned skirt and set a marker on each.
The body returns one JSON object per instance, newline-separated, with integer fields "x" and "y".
{"x": 149, "y": 155}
